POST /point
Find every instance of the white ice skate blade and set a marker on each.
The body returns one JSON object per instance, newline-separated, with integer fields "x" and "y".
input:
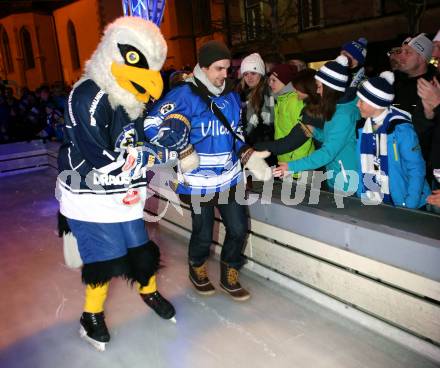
{"x": 100, "y": 346}
{"x": 173, "y": 320}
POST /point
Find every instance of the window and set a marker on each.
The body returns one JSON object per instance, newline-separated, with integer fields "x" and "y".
{"x": 309, "y": 13}
{"x": 202, "y": 17}
{"x": 73, "y": 45}
{"x": 254, "y": 19}
{"x": 6, "y": 51}
{"x": 26, "y": 46}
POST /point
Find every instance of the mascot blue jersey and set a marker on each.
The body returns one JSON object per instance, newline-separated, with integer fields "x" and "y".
{"x": 182, "y": 118}
{"x": 92, "y": 155}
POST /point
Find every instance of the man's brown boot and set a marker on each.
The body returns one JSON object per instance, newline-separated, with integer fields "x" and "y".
{"x": 199, "y": 278}
{"x": 229, "y": 283}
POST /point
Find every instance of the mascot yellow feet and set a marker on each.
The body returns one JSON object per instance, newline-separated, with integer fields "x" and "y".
{"x": 156, "y": 301}
{"x": 93, "y": 328}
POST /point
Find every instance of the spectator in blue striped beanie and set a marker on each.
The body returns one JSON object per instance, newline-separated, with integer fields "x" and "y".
{"x": 334, "y": 74}
{"x": 378, "y": 91}
{"x": 355, "y": 51}
{"x": 392, "y": 169}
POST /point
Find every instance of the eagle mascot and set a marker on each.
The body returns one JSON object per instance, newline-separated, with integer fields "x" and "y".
{"x": 101, "y": 186}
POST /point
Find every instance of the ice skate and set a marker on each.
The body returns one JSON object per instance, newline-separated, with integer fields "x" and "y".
{"x": 94, "y": 330}
{"x": 160, "y": 305}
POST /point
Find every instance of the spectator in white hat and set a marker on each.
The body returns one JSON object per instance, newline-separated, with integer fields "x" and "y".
{"x": 258, "y": 112}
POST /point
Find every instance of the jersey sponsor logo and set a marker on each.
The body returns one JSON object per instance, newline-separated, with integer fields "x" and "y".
{"x": 167, "y": 108}
{"x": 94, "y": 105}
{"x": 69, "y": 102}
{"x": 215, "y": 128}
{"x": 106, "y": 179}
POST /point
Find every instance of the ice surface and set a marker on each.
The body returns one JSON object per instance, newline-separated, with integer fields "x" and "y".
{"x": 41, "y": 302}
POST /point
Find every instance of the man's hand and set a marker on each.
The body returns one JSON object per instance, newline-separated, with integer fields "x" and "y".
{"x": 434, "y": 198}
{"x": 307, "y": 129}
{"x": 281, "y": 170}
{"x": 429, "y": 92}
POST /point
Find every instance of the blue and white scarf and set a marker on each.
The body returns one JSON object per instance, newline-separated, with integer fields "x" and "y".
{"x": 374, "y": 159}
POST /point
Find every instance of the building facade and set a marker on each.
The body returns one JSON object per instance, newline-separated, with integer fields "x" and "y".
{"x": 38, "y": 47}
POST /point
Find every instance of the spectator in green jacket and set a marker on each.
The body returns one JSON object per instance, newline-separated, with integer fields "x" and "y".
{"x": 287, "y": 111}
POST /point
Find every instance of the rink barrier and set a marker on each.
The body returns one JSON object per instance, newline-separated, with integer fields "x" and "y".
{"x": 400, "y": 293}
{"x": 21, "y": 157}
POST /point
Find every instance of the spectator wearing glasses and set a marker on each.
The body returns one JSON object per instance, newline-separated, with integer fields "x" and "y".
{"x": 429, "y": 92}
{"x": 393, "y": 57}
{"x": 414, "y": 64}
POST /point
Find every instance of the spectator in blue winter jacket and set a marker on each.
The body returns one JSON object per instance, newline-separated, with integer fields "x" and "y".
{"x": 392, "y": 169}
{"x": 338, "y": 150}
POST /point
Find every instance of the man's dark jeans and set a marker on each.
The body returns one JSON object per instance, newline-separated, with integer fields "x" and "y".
{"x": 234, "y": 218}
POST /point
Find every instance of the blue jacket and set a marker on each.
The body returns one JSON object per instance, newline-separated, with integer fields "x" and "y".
{"x": 406, "y": 167}
{"x": 182, "y": 118}
{"x": 338, "y": 150}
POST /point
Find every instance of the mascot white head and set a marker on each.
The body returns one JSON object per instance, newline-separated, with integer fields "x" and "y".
{"x": 126, "y": 63}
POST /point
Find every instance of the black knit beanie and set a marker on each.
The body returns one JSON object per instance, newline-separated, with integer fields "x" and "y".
{"x": 211, "y": 52}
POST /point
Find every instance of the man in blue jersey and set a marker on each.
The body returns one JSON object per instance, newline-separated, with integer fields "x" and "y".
{"x": 200, "y": 119}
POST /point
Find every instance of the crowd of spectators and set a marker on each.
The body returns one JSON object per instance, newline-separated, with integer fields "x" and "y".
{"x": 35, "y": 115}
{"x": 310, "y": 120}
{"x": 385, "y": 127}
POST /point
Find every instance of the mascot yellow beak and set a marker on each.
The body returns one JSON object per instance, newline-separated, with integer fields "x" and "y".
{"x": 141, "y": 82}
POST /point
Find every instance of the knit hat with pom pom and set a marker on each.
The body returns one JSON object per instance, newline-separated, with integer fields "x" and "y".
{"x": 378, "y": 91}
{"x": 334, "y": 73}
{"x": 357, "y": 49}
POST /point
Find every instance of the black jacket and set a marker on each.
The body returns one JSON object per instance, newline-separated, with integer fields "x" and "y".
{"x": 406, "y": 98}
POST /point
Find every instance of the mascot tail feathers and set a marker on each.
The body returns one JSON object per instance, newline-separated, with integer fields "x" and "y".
{"x": 72, "y": 258}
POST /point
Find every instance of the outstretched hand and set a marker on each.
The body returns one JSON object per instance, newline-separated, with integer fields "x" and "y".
{"x": 281, "y": 170}
{"x": 434, "y": 198}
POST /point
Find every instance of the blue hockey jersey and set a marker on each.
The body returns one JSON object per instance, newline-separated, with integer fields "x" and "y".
{"x": 91, "y": 183}
{"x": 182, "y": 118}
